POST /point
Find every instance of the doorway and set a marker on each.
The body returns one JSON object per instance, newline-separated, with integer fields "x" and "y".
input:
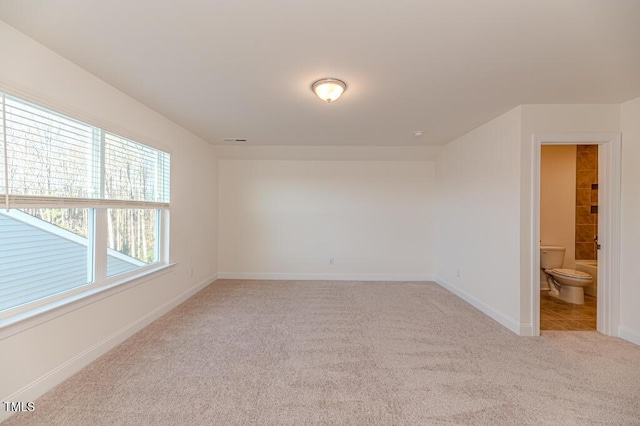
{"x": 608, "y": 222}
{"x": 568, "y": 232}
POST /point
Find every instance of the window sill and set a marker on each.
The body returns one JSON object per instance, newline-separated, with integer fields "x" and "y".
{"x": 25, "y": 320}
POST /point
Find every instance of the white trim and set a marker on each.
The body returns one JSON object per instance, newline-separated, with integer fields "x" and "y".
{"x": 48, "y": 381}
{"x": 100, "y": 245}
{"x": 491, "y": 312}
{"x": 323, "y": 276}
{"x": 16, "y": 320}
{"x": 629, "y": 335}
{"x": 164, "y": 224}
{"x": 34, "y": 201}
{"x": 527, "y": 330}
{"x": 609, "y": 225}
{"x": 609, "y": 216}
{"x": 92, "y": 264}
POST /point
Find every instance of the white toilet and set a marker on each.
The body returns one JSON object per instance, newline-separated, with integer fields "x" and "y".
{"x": 566, "y": 284}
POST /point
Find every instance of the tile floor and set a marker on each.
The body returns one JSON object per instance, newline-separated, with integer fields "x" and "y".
{"x": 556, "y": 314}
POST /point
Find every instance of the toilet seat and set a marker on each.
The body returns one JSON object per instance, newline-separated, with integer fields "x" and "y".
{"x": 572, "y": 273}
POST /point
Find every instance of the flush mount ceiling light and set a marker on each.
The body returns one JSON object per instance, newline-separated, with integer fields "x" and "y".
{"x": 329, "y": 89}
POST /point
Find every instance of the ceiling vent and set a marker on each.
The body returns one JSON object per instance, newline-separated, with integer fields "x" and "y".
{"x": 234, "y": 140}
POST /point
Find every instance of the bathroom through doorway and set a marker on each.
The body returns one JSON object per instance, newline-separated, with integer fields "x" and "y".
{"x": 568, "y": 237}
{"x": 576, "y": 217}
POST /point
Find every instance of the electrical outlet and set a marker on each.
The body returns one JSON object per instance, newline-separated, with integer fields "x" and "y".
{"x": 458, "y": 273}
{"x": 191, "y": 272}
{"x": 331, "y": 261}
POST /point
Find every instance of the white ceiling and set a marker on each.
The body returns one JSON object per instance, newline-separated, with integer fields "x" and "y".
{"x": 244, "y": 68}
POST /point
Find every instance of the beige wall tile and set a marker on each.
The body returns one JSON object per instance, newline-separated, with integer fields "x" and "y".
{"x": 585, "y": 233}
{"x": 584, "y": 216}
{"x": 585, "y": 178}
{"x": 585, "y": 251}
{"x": 583, "y": 197}
{"x": 587, "y": 161}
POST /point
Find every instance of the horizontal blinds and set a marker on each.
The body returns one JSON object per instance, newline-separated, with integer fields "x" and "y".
{"x": 48, "y": 155}
{"x": 52, "y": 160}
{"x": 134, "y": 171}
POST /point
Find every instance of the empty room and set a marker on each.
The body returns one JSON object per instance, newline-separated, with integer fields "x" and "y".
{"x": 332, "y": 213}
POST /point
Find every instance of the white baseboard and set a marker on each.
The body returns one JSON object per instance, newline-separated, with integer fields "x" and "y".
{"x": 526, "y": 330}
{"x": 508, "y": 322}
{"x": 629, "y": 335}
{"x": 40, "y": 386}
{"x": 323, "y": 276}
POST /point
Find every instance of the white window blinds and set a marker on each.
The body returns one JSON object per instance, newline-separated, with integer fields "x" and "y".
{"x": 50, "y": 159}
{"x": 134, "y": 171}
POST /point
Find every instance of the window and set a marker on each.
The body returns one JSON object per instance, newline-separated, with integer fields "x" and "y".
{"x": 131, "y": 233}
{"x": 42, "y": 252}
{"x": 83, "y": 207}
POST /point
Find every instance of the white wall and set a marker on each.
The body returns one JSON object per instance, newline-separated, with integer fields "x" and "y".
{"x": 33, "y": 360}
{"x": 286, "y": 219}
{"x": 558, "y": 199}
{"x": 478, "y": 218}
{"x": 630, "y": 228}
{"x": 328, "y": 153}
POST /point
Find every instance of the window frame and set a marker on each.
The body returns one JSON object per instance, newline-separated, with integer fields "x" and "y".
{"x": 13, "y": 319}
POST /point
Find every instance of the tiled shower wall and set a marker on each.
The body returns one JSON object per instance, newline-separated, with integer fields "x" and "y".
{"x": 586, "y": 201}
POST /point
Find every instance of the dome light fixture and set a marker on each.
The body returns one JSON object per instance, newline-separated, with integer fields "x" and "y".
{"x": 329, "y": 89}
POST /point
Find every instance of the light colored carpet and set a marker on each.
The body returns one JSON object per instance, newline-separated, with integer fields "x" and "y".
{"x": 345, "y": 353}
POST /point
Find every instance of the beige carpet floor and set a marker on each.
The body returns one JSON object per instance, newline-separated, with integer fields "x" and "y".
{"x": 346, "y": 353}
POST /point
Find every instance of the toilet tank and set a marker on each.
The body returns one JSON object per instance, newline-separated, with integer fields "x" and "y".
{"x": 551, "y": 257}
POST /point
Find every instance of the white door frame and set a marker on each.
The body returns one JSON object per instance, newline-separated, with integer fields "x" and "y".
{"x": 609, "y": 177}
